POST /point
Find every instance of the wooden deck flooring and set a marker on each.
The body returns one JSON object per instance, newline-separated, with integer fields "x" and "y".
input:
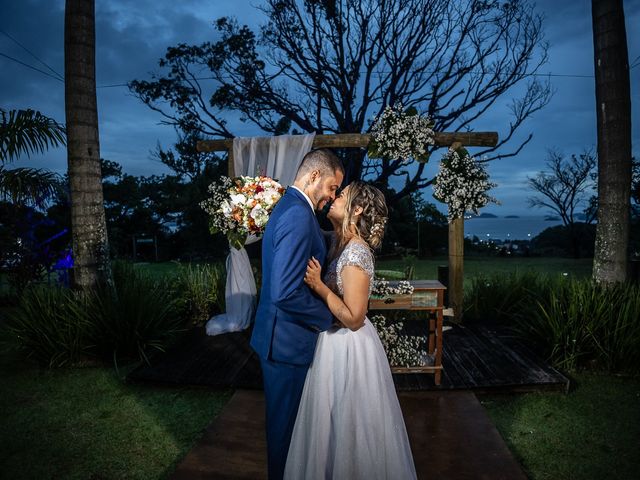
{"x": 450, "y": 433}
{"x": 477, "y": 358}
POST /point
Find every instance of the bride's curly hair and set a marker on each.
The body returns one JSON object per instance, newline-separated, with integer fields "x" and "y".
{"x": 370, "y": 224}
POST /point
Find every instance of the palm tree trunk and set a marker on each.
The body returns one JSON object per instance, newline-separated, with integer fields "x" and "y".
{"x": 89, "y": 232}
{"x": 613, "y": 106}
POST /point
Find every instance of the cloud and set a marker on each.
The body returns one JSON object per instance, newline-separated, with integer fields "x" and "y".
{"x": 132, "y": 36}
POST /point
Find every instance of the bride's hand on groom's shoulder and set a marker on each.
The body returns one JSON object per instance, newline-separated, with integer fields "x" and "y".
{"x": 312, "y": 276}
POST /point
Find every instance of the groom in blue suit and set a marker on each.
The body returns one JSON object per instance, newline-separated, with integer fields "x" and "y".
{"x": 289, "y": 316}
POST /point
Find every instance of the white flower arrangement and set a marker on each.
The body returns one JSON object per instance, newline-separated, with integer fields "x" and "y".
{"x": 462, "y": 183}
{"x": 401, "y": 135}
{"x": 241, "y": 206}
{"x": 381, "y": 288}
{"x": 401, "y": 350}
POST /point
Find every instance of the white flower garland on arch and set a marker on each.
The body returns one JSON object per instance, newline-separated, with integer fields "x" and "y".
{"x": 399, "y": 134}
{"x": 462, "y": 183}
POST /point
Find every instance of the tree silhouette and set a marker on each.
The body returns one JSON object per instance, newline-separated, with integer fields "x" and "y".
{"x": 563, "y": 189}
{"x": 331, "y": 66}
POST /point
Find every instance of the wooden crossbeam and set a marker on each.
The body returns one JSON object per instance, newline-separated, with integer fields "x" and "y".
{"x": 361, "y": 140}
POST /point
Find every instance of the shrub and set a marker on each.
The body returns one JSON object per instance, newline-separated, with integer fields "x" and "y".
{"x": 503, "y": 297}
{"x": 584, "y": 324}
{"x": 51, "y": 325}
{"x": 200, "y": 290}
{"x": 573, "y": 323}
{"x": 137, "y": 315}
{"x": 131, "y": 318}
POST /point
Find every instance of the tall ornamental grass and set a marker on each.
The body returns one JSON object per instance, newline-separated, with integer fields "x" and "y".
{"x": 135, "y": 317}
{"x": 200, "y": 291}
{"x": 502, "y": 297}
{"x": 51, "y": 325}
{"x": 573, "y": 323}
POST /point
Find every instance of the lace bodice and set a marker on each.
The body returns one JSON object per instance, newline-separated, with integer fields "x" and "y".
{"x": 356, "y": 254}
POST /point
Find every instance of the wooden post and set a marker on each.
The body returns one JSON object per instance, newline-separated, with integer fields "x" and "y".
{"x": 456, "y": 261}
{"x": 230, "y": 168}
{"x": 456, "y": 267}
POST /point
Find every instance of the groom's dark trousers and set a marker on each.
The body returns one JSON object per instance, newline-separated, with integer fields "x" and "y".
{"x": 288, "y": 319}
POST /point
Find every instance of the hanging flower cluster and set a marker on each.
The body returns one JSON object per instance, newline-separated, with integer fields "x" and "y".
{"x": 241, "y": 207}
{"x": 381, "y": 288}
{"x": 401, "y": 135}
{"x": 402, "y": 350}
{"x": 462, "y": 183}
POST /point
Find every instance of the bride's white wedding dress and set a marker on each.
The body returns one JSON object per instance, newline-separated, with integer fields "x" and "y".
{"x": 349, "y": 423}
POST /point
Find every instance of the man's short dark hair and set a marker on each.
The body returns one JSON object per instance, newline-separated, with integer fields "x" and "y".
{"x": 321, "y": 159}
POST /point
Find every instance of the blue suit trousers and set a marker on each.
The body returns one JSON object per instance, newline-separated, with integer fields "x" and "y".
{"x": 283, "y": 384}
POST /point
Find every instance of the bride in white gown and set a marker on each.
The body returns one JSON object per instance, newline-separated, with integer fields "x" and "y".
{"x": 349, "y": 423}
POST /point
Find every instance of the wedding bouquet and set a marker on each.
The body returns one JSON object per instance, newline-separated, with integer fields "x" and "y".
{"x": 241, "y": 206}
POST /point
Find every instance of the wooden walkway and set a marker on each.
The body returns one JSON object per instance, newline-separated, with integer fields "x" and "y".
{"x": 450, "y": 433}
{"x": 477, "y": 358}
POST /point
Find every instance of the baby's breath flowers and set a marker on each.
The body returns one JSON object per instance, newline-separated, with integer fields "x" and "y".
{"x": 381, "y": 288}
{"x": 462, "y": 183}
{"x": 401, "y": 135}
{"x": 241, "y": 206}
{"x": 402, "y": 350}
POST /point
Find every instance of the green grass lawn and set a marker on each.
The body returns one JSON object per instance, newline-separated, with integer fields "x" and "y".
{"x": 473, "y": 266}
{"x": 592, "y": 433}
{"x": 86, "y": 423}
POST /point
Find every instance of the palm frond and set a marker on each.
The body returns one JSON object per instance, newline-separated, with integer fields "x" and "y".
{"x": 28, "y": 185}
{"x": 23, "y": 132}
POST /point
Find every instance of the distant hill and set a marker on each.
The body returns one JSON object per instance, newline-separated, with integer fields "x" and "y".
{"x": 552, "y": 218}
{"x": 512, "y": 216}
{"x": 484, "y": 215}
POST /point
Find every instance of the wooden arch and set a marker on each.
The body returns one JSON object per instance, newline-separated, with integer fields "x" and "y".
{"x": 361, "y": 140}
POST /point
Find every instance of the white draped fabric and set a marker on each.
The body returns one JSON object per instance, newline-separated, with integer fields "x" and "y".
{"x": 275, "y": 157}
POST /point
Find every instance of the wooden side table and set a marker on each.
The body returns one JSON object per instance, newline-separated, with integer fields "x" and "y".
{"x": 427, "y": 296}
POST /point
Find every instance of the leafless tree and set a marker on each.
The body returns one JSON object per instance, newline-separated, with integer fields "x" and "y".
{"x": 331, "y": 66}
{"x": 563, "y": 189}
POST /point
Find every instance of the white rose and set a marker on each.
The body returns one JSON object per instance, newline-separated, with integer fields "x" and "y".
{"x": 238, "y": 199}
{"x": 259, "y": 215}
{"x": 225, "y": 207}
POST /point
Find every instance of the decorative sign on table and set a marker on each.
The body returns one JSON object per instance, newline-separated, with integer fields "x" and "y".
{"x": 427, "y": 295}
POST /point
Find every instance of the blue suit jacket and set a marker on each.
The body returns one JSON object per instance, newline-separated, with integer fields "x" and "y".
{"x": 289, "y": 315}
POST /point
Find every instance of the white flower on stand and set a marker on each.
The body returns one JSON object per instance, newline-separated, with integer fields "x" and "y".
{"x": 402, "y": 350}
{"x": 381, "y": 288}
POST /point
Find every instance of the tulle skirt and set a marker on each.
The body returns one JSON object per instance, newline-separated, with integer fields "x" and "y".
{"x": 349, "y": 423}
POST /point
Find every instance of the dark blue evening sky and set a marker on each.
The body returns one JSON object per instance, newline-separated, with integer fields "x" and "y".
{"x": 133, "y": 35}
